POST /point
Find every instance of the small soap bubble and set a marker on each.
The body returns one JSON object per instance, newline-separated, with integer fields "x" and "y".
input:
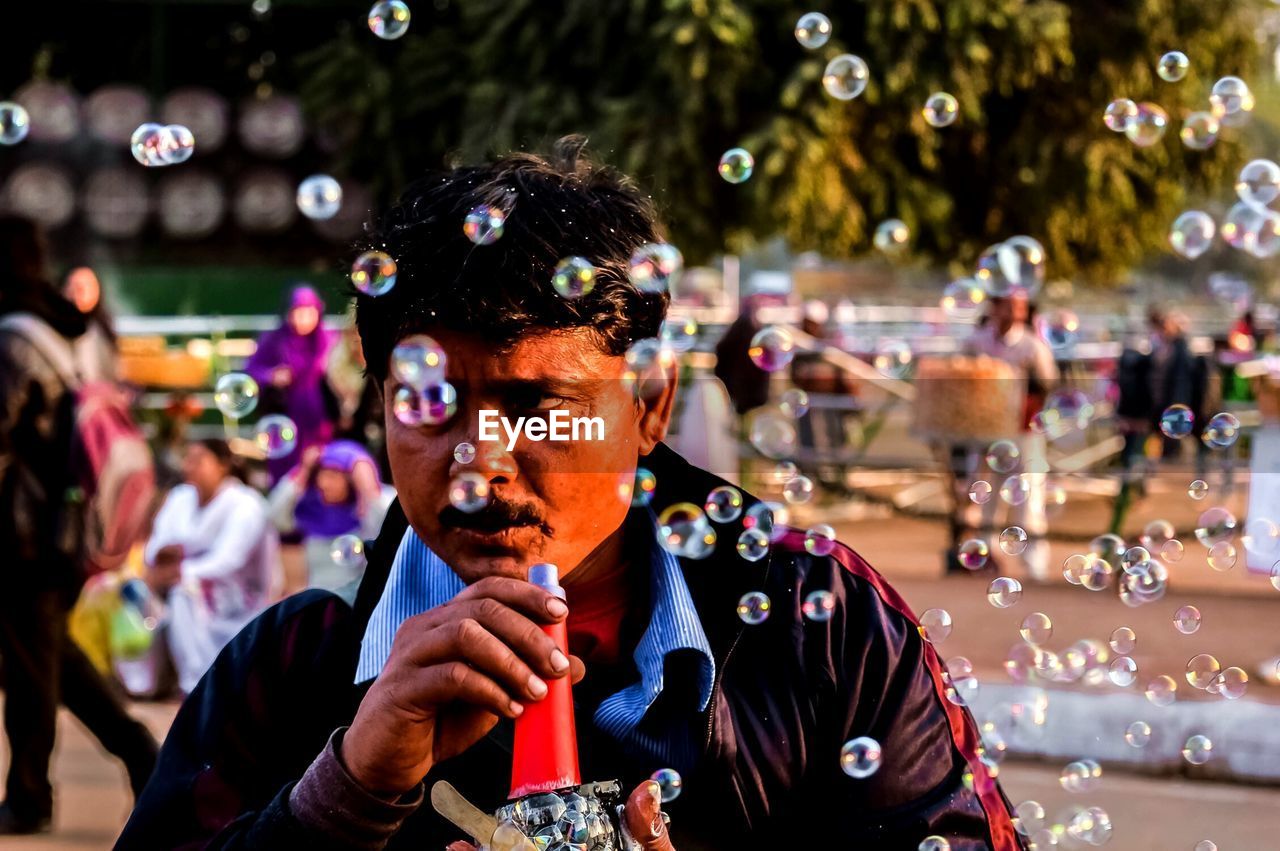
{"x": 574, "y": 277}
{"x": 679, "y": 333}
{"x": 1173, "y": 66}
{"x": 1156, "y": 533}
{"x": 1080, "y": 776}
{"x": 182, "y": 144}
{"x": 653, "y": 266}
{"x": 1258, "y": 182}
{"x": 389, "y": 19}
{"x": 15, "y": 123}
{"x": 892, "y": 358}
{"x": 813, "y": 30}
{"x": 464, "y": 453}
{"x": 798, "y": 490}
{"x": 724, "y": 504}
{"x": 860, "y": 757}
{"x": 1198, "y": 489}
{"x": 1136, "y": 560}
{"x": 1197, "y": 750}
{"x": 1002, "y": 456}
{"x": 439, "y": 402}
{"x": 736, "y": 165}
{"x": 1231, "y": 96}
{"x": 1206, "y": 845}
{"x": 1036, "y": 628}
{"x": 1192, "y": 234}
{"x": 1016, "y": 489}
{"x": 1186, "y": 620}
{"x": 1177, "y": 421}
{"x": 773, "y": 434}
{"x": 1215, "y": 525}
{"x": 761, "y": 516}
{"x": 683, "y": 530}
{"x": 1162, "y": 690}
{"x": 418, "y": 361}
{"x": 1123, "y": 671}
{"x": 469, "y": 491}
{"x": 753, "y": 544}
{"x": 935, "y": 625}
{"x": 1013, "y": 540}
{"x": 1200, "y": 131}
{"x": 934, "y": 843}
{"x": 819, "y": 606}
{"x": 1119, "y": 113}
{"x": 845, "y": 77}
{"x": 236, "y": 395}
{"x": 1028, "y": 817}
{"x": 754, "y": 608}
{"x": 1231, "y": 683}
{"x": 1221, "y": 430}
{"x": 1138, "y": 734}
{"x": 276, "y": 435}
{"x": 1147, "y": 127}
{"x": 973, "y": 553}
{"x": 891, "y": 236}
{"x": 980, "y": 492}
{"x": 772, "y": 348}
{"x": 1202, "y": 670}
{"x": 794, "y": 402}
{"x": 1004, "y": 592}
{"x": 347, "y": 551}
{"x": 669, "y": 783}
{"x": 319, "y": 197}
{"x": 963, "y": 298}
{"x": 941, "y": 109}
{"x": 1222, "y": 556}
{"x": 1123, "y": 640}
{"x": 820, "y": 540}
{"x": 374, "y": 273}
{"x": 484, "y": 224}
{"x": 641, "y": 487}
{"x": 1172, "y": 550}
{"x": 151, "y": 144}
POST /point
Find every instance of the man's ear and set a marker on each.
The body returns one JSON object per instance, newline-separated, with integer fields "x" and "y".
{"x": 657, "y": 406}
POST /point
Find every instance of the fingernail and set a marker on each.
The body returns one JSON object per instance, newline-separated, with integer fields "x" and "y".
{"x": 517, "y": 709}
{"x": 557, "y": 608}
{"x": 537, "y": 687}
{"x": 558, "y": 661}
{"x": 655, "y": 792}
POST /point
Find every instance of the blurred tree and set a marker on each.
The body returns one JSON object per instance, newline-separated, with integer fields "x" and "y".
{"x": 662, "y": 87}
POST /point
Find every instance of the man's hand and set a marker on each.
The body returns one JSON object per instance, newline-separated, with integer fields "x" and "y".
{"x": 452, "y": 673}
{"x": 643, "y": 816}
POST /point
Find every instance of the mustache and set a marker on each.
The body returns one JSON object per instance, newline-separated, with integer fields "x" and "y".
{"x": 496, "y": 516}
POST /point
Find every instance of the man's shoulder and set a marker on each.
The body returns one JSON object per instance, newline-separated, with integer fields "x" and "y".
{"x": 298, "y": 632}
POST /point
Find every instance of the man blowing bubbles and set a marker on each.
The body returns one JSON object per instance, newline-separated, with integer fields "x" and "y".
{"x": 321, "y": 724}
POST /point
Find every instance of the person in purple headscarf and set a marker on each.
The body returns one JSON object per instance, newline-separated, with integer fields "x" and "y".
{"x": 289, "y": 364}
{"x": 333, "y": 492}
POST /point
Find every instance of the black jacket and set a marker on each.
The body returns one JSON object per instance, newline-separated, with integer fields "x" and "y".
{"x": 788, "y": 693}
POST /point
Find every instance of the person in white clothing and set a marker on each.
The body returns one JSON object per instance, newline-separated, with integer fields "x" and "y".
{"x": 1009, "y": 336}
{"x": 214, "y": 547}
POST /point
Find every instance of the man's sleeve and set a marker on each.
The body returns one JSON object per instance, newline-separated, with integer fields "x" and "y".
{"x": 252, "y": 759}
{"x": 889, "y": 687}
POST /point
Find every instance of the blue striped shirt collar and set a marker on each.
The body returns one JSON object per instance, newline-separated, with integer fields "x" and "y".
{"x": 420, "y": 580}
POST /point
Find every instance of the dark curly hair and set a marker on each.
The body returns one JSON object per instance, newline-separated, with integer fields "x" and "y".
{"x": 556, "y": 206}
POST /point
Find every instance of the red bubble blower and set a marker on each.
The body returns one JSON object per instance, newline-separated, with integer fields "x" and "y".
{"x": 546, "y": 741}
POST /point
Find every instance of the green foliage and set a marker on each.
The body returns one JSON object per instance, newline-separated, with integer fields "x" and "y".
{"x": 662, "y": 87}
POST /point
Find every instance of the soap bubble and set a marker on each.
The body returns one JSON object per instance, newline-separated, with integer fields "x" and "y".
{"x": 679, "y": 333}
{"x": 935, "y": 625}
{"x": 1202, "y": 670}
{"x": 934, "y": 843}
{"x": 464, "y": 453}
{"x": 973, "y": 553}
{"x": 389, "y": 19}
{"x": 724, "y": 504}
{"x": 1004, "y": 591}
{"x": 1036, "y": 628}
{"x": 469, "y": 491}
{"x": 1173, "y": 66}
{"x": 1231, "y": 96}
{"x": 1080, "y": 776}
{"x": 753, "y": 544}
{"x": 736, "y": 165}
{"x": 1123, "y": 640}
{"x": 1119, "y": 113}
{"x": 276, "y": 435}
{"x": 1138, "y": 734}
{"x": 683, "y": 530}
{"x": 1147, "y": 127}
{"x": 941, "y": 109}
{"x": 1198, "y": 489}
{"x": 891, "y": 236}
{"x": 1197, "y": 750}
{"x": 418, "y": 361}
{"x": 1088, "y": 570}
{"x": 1123, "y": 671}
{"x": 1156, "y": 533}
{"x": 1215, "y": 525}
{"x": 761, "y": 516}
{"x": 669, "y": 783}
{"x": 150, "y": 144}
{"x": 1002, "y": 456}
{"x": 1028, "y": 817}
{"x": 783, "y": 472}
{"x": 1162, "y": 690}
{"x": 798, "y": 490}
{"x": 15, "y": 123}
{"x": 892, "y": 358}
{"x": 1172, "y": 550}
{"x": 1222, "y": 556}
{"x": 754, "y": 607}
{"x": 574, "y": 277}
{"x": 820, "y": 540}
{"x": 1231, "y": 683}
{"x": 860, "y": 757}
{"x": 963, "y": 298}
{"x": 813, "y": 30}
{"x": 1206, "y": 845}
{"x": 845, "y": 77}
{"x": 653, "y": 266}
{"x": 1016, "y": 489}
{"x": 794, "y": 402}
{"x": 374, "y": 273}
{"x": 236, "y": 395}
{"x": 1221, "y": 430}
{"x": 980, "y": 492}
{"x": 641, "y": 487}
{"x": 1186, "y": 620}
{"x": 347, "y": 551}
{"x": 319, "y": 197}
{"x": 1200, "y": 131}
{"x": 439, "y": 402}
{"x": 1136, "y": 560}
{"x": 1259, "y": 182}
{"x": 819, "y": 606}
{"x": 1177, "y": 421}
{"x": 772, "y": 348}
{"x": 1192, "y": 234}
{"x": 484, "y": 224}
{"x": 182, "y": 145}
{"x": 772, "y": 434}
{"x": 1013, "y": 540}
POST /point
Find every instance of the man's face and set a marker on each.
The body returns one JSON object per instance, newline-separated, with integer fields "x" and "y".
{"x": 550, "y": 501}
{"x": 304, "y": 319}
